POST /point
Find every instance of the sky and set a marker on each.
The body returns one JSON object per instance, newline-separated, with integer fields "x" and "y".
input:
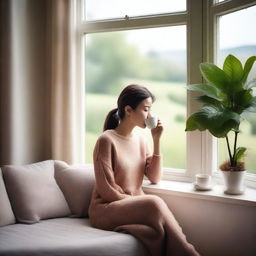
{"x": 236, "y": 29}
{"x": 159, "y": 39}
{"x": 119, "y": 8}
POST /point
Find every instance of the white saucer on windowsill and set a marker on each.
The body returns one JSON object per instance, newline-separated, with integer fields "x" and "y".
{"x": 197, "y": 187}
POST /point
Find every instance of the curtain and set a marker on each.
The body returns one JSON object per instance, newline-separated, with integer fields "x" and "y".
{"x": 67, "y": 124}
{"x": 24, "y": 117}
{"x": 41, "y": 95}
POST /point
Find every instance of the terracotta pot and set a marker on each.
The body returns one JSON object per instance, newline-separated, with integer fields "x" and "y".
{"x": 234, "y": 182}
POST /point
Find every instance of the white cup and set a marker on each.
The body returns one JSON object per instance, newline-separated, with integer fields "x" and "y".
{"x": 203, "y": 180}
{"x": 151, "y": 122}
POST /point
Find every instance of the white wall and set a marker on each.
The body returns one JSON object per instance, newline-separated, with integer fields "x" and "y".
{"x": 215, "y": 228}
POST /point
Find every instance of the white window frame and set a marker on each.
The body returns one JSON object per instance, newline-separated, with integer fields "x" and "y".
{"x": 200, "y": 19}
{"x": 213, "y": 9}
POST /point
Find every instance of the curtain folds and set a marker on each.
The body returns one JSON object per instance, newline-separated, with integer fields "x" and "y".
{"x": 65, "y": 143}
{"x": 42, "y": 110}
{"x": 67, "y": 111}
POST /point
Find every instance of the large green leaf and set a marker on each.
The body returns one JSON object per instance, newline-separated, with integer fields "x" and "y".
{"x": 248, "y": 112}
{"x": 252, "y": 106}
{"x": 234, "y": 69}
{"x": 215, "y": 76}
{"x": 208, "y": 101}
{"x": 242, "y": 100}
{"x": 247, "y": 67}
{"x": 219, "y": 122}
{"x": 207, "y": 89}
{"x": 240, "y": 152}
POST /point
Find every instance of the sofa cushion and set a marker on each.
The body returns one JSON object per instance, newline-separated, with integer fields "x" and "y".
{"x": 66, "y": 237}
{"x": 6, "y": 213}
{"x": 33, "y": 192}
{"x": 76, "y": 183}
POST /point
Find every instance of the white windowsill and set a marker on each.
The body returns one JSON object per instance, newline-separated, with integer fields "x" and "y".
{"x": 186, "y": 189}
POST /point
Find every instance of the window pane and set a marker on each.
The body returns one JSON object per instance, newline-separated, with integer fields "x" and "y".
{"x": 237, "y": 37}
{"x": 219, "y": 1}
{"x": 111, "y": 9}
{"x": 150, "y": 57}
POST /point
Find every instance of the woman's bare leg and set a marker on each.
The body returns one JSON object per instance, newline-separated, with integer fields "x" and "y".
{"x": 149, "y": 219}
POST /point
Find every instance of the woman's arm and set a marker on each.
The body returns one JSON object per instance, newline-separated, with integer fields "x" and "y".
{"x": 154, "y": 168}
{"x": 104, "y": 174}
{"x": 154, "y": 162}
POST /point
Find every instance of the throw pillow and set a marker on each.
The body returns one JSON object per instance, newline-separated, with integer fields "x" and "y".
{"x": 6, "y": 213}
{"x": 34, "y": 193}
{"x": 76, "y": 183}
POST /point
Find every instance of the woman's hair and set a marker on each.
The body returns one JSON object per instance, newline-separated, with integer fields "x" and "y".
{"x": 132, "y": 95}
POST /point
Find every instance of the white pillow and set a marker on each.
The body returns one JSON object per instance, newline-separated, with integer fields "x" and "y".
{"x": 6, "y": 213}
{"x": 76, "y": 183}
{"x": 34, "y": 193}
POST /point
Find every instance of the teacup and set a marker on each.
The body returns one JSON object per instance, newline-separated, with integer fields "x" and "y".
{"x": 203, "y": 181}
{"x": 151, "y": 122}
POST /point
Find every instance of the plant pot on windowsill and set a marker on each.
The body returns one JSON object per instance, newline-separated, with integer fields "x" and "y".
{"x": 227, "y": 98}
{"x": 233, "y": 178}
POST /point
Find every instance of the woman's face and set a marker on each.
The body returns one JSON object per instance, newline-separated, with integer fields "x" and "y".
{"x": 141, "y": 113}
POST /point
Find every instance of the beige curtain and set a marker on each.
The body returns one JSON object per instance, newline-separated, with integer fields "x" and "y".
{"x": 67, "y": 122}
{"x": 24, "y": 96}
{"x": 41, "y": 95}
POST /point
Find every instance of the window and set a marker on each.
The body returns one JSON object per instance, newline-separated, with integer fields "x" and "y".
{"x": 149, "y": 57}
{"x": 113, "y": 9}
{"x": 240, "y": 42}
{"x": 220, "y": 1}
{"x": 159, "y": 38}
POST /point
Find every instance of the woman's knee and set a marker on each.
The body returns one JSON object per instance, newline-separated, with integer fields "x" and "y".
{"x": 154, "y": 203}
{"x": 154, "y": 199}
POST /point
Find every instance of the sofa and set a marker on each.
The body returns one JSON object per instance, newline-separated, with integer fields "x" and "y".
{"x": 44, "y": 211}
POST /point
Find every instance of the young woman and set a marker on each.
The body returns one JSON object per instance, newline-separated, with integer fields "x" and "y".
{"x": 121, "y": 159}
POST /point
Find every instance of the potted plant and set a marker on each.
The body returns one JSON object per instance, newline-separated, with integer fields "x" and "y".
{"x": 226, "y": 98}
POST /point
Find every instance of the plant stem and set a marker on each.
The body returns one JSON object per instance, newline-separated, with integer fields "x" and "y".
{"x": 229, "y": 151}
{"x": 236, "y": 133}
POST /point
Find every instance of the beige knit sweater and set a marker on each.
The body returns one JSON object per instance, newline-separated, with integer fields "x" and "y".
{"x": 118, "y": 202}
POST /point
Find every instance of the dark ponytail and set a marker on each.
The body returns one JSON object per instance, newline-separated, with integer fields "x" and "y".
{"x": 132, "y": 95}
{"x": 112, "y": 120}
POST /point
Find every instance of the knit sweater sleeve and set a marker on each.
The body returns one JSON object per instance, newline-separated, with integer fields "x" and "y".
{"x": 104, "y": 174}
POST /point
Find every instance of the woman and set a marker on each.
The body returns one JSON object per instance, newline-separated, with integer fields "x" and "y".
{"x": 121, "y": 159}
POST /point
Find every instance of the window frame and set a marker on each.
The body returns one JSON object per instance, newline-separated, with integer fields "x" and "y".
{"x": 213, "y": 9}
{"x": 201, "y": 21}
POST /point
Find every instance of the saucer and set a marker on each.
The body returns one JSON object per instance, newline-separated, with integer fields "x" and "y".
{"x": 202, "y": 188}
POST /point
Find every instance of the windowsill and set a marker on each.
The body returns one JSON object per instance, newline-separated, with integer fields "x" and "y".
{"x": 186, "y": 189}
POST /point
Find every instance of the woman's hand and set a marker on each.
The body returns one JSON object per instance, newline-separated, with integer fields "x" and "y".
{"x": 157, "y": 132}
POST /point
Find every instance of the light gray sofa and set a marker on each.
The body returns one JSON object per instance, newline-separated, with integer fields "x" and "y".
{"x": 44, "y": 211}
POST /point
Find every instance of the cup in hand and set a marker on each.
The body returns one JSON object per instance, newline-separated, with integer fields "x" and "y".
{"x": 203, "y": 181}
{"x": 151, "y": 122}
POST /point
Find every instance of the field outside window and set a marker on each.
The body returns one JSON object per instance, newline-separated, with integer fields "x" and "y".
{"x": 155, "y": 58}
